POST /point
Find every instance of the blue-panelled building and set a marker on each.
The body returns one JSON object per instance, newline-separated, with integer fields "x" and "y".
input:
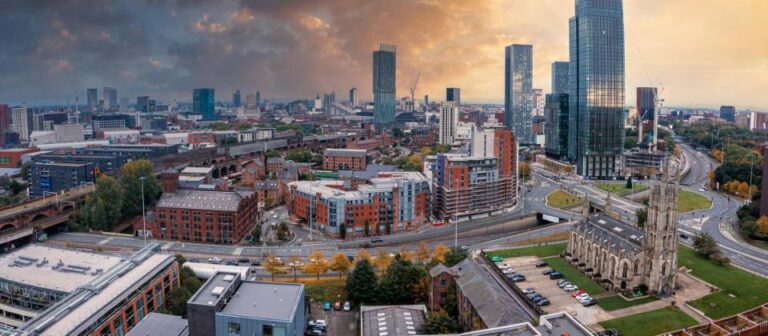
{"x": 560, "y": 77}
{"x": 384, "y": 84}
{"x": 518, "y": 91}
{"x": 596, "y": 85}
{"x": 204, "y": 102}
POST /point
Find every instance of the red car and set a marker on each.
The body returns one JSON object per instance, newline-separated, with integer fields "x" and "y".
{"x": 577, "y": 293}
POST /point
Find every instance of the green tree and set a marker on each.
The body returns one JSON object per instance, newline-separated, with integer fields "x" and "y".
{"x": 220, "y": 126}
{"x": 302, "y": 155}
{"x": 705, "y": 245}
{"x": 454, "y": 257}
{"x": 244, "y": 127}
{"x": 439, "y": 323}
{"x": 343, "y": 231}
{"x": 397, "y": 132}
{"x": 629, "y": 183}
{"x": 400, "y": 283}
{"x": 361, "y": 284}
{"x": 177, "y": 301}
{"x": 103, "y": 209}
{"x": 130, "y": 180}
{"x": 271, "y": 153}
{"x": 642, "y": 217}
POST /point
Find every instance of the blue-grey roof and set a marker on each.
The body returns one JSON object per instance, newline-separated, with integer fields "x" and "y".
{"x": 370, "y": 172}
{"x": 615, "y": 235}
{"x": 156, "y": 324}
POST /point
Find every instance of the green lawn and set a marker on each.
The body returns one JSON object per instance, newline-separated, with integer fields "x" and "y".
{"x": 748, "y": 290}
{"x": 325, "y": 289}
{"x": 689, "y": 201}
{"x": 574, "y": 276}
{"x": 650, "y": 323}
{"x": 560, "y": 199}
{"x": 619, "y": 188}
{"x": 617, "y": 302}
{"x": 537, "y": 251}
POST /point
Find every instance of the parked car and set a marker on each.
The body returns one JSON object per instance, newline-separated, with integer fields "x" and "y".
{"x": 583, "y": 297}
{"x": 337, "y": 305}
{"x": 570, "y": 288}
{"x": 322, "y": 323}
{"x": 497, "y": 259}
{"x": 315, "y": 332}
{"x": 562, "y": 283}
{"x": 232, "y": 263}
{"x": 542, "y": 263}
{"x": 589, "y": 302}
{"x": 533, "y": 295}
{"x": 555, "y": 275}
{"x": 683, "y": 236}
{"x": 347, "y": 306}
{"x": 214, "y": 260}
{"x": 508, "y": 271}
{"x": 256, "y": 263}
{"x": 529, "y": 290}
{"x": 518, "y": 278}
{"x": 577, "y": 293}
{"x": 536, "y": 297}
{"x": 244, "y": 261}
{"x": 548, "y": 271}
{"x": 376, "y": 240}
{"x": 542, "y": 302}
{"x": 350, "y": 258}
{"x": 327, "y": 305}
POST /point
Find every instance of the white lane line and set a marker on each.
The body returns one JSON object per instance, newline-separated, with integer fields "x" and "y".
{"x": 237, "y": 251}
{"x": 105, "y": 241}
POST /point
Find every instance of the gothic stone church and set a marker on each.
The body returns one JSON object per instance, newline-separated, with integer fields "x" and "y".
{"x": 621, "y": 256}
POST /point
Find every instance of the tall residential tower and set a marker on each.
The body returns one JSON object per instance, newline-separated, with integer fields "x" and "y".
{"x": 559, "y": 77}
{"x": 384, "y": 81}
{"x": 518, "y": 91}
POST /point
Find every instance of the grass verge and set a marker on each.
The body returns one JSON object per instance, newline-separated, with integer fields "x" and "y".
{"x": 617, "y": 302}
{"x": 690, "y": 201}
{"x": 325, "y": 289}
{"x": 620, "y": 188}
{"x": 650, "y": 323}
{"x": 560, "y": 199}
{"x": 739, "y": 290}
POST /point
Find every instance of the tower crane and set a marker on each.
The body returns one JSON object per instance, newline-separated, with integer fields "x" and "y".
{"x": 413, "y": 92}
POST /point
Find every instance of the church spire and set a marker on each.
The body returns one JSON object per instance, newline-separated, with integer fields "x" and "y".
{"x": 585, "y": 208}
{"x": 608, "y": 205}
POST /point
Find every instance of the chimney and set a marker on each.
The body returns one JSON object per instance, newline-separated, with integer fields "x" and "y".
{"x": 169, "y": 181}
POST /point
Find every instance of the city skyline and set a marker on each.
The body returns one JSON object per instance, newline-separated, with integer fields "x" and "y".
{"x": 164, "y": 49}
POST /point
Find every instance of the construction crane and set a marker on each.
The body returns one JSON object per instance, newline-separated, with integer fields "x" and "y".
{"x": 657, "y": 103}
{"x": 413, "y": 92}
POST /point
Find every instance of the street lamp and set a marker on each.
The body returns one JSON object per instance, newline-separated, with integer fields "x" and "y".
{"x": 143, "y": 215}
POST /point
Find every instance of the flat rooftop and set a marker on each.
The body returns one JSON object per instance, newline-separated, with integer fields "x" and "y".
{"x": 345, "y": 152}
{"x": 38, "y": 266}
{"x": 157, "y": 324}
{"x": 197, "y": 170}
{"x": 203, "y": 199}
{"x": 206, "y": 295}
{"x": 265, "y": 300}
{"x": 392, "y": 320}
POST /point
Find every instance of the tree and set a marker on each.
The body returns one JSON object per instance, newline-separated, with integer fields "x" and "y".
{"x": 103, "y": 209}
{"x": 525, "y": 170}
{"x": 302, "y": 155}
{"x": 455, "y": 256}
{"x": 271, "y": 153}
{"x": 397, "y": 132}
{"x": 404, "y": 253}
{"x": 177, "y": 301}
{"x": 439, "y": 322}
{"x": 642, "y": 217}
{"x": 400, "y": 283}
{"x": 367, "y": 228}
{"x": 630, "y": 142}
{"x": 629, "y": 183}
{"x": 294, "y": 262}
{"x": 382, "y": 261}
{"x": 413, "y": 163}
{"x": 340, "y": 263}
{"x": 268, "y": 202}
{"x": 422, "y": 253}
{"x": 244, "y": 127}
{"x": 361, "y": 284}
{"x": 438, "y": 255}
{"x": 220, "y": 126}
{"x": 343, "y": 231}
{"x": 317, "y": 264}
{"x": 256, "y": 233}
{"x": 762, "y": 225}
{"x": 130, "y": 180}
{"x": 705, "y": 245}
{"x": 362, "y": 254}
{"x": 273, "y": 266}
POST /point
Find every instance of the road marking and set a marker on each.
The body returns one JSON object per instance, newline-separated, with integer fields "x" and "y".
{"x": 166, "y": 246}
{"x": 105, "y": 241}
{"x": 237, "y": 251}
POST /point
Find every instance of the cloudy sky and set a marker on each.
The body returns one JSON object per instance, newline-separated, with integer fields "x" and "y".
{"x": 703, "y": 52}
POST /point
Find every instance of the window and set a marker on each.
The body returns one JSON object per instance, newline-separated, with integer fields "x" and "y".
{"x": 443, "y": 283}
{"x": 140, "y": 307}
{"x": 106, "y": 331}
{"x": 119, "y": 326}
{"x": 233, "y": 329}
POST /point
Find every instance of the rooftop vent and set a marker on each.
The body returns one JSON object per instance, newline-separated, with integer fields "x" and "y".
{"x": 216, "y": 291}
{"x": 229, "y": 277}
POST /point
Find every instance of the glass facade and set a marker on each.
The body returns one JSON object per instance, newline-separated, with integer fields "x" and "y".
{"x": 384, "y": 95}
{"x": 596, "y": 85}
{"x": 560, "y": 77}
{"x": 556, "y": 127}
{"x": 518, "y": 91}
{"x": 204, "y": 102}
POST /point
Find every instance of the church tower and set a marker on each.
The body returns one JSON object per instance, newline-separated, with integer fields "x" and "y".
{"x": 660, "y": 241}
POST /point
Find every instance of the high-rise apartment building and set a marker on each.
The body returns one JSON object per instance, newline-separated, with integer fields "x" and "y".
{"x": 204, "y": 102}
{"x": 560, "y": 77}
{"x": 482, "y": 183}
{"x": 556, "y": 126}
{"x": 329, "y": 99}
{"x": 453, "y": 94}
{"x": 353, "y": 99}
{"x": 236, "y": 100}
{"x": 384, "y": 84}
{"x": 109, "y": 99}
{"x": 93, "y": 99}
{"x": 518, "y": 91}
{"x": 728, "y": 113}
{"x": 142, "y": 104}
{"x": 646, "y": 112}
{"x": 596, "y": 134}
{"x": 538, "y": 102}
{"x": 22, "y": 120}
{"x": 449, "y": 118}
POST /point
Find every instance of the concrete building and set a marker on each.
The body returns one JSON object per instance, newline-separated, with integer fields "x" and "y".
{"x": 449, "y": 118}
{"x": 391, "y": 202}
{"x": 622, "y": 257}
{"x": 228, "y": 305}
{"x": 596, "y": 134}
{"x": 518, "y": 91}
{"x": 560, "y": 77}
{"x": 81, "y": 293}
{"x": 211, "y": 216}
{"x": 353, "y": 98}
{"x": 453, "y": 95}
{"x": 728, "y": 113}
{"x": 384, "y": 84}
{"x": 109, "y": 99}
{"x": 556, "y": 126}
{"x": 21, "y": 117}
{"x": 481, "y": 183}
{"x": 69, "y": 133}
{"x": 343, "y": 159}
{"x": 538, "y": 103}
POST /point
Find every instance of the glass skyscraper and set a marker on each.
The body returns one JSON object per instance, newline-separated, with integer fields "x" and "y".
{"x": 384, "y": 99}
{"x": 518, "y": 91}
{"x": 560, "y": 77}
{"x": 596, "y": 135}
{"x": 556, "y": 125}
{"x": 204, "y": 102}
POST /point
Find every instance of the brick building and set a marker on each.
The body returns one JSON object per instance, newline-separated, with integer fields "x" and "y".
{"x": 253, "y": 172}
{"x": 345, "y": 159}
{"x": 391, "y": 202}
{"x": 274, "y": 164}
{"x": 211, "y": 216}
{"x": 10, "y": 158}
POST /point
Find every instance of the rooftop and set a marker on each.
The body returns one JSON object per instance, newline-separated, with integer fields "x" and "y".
{"x": 157, "y": 324}
{"x": 616, "y": 235}
{"x": 265, "y": 300}
{"x": 197, "y": 170}
{"x": 345, "y": 152}
{"x": 392, "y": 320}
{"x": 370, "y": 171}
{"x": 212, "y": 289}
{"x": 30, "y": 266}
{"x": 203, "y": 199}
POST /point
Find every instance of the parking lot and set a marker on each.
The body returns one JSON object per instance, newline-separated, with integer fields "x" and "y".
{"x": 339, "y": 322}
{"x": 559, "y": 299}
